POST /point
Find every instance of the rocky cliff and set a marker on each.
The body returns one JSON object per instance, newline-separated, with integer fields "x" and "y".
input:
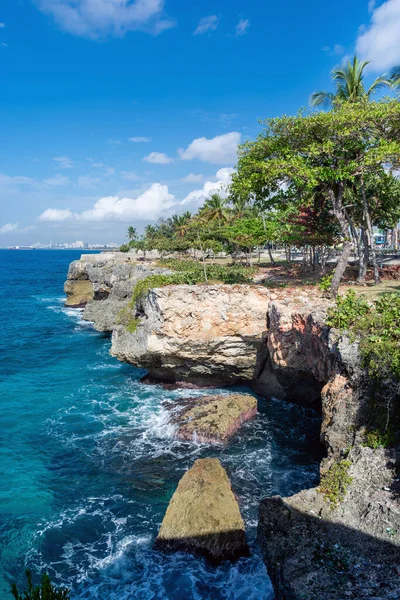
{"x": 319, "y": 543}
{"x": 202, "y": 334}
{"x": 103, "y": 284}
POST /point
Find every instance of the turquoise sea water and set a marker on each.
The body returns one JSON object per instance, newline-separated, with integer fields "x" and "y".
{"x": 88, "y": 461}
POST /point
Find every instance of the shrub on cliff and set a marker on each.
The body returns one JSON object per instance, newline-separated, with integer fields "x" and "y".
{"x": 376, "y": 326}
{"x": 192, "y": 272}
{"x": 44, "y": 591}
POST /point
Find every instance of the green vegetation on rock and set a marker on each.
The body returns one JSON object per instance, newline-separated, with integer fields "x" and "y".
{"x": 376, "y": 326}
{"x": 187, "y": 272}
{"x": 376, "y": 439}
{"x": 335, "y": 482}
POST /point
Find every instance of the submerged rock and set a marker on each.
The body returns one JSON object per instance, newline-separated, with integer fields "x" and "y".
{"x": 213, "y": 419}
{"x": 203, "y": 515}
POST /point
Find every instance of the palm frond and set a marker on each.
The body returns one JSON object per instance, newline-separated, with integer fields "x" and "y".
{"x": 324, "y": 99}
{"x": 379, "y": 84}
{"x": 395, "y": 76}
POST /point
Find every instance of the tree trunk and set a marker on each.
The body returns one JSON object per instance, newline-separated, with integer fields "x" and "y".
{"x": 367, "y": 218}
{"x": 203, "y": 258}
{"x": 396, "y": 238}
{"x": 339, "y": 212}
{"x": 341, "y": 268}
{"x": 271, "y": 258}
{"x": 363, "y": 257}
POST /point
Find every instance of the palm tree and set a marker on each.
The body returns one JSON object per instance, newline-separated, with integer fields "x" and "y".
{"x": 150, "y": 231}
{"x": 132, "y": 233}
{"x": 181, "y": 223}
{"x": 216, "y": 208}
{"x": 395, "y": 76}
{"x": 241, "y": 207}
{"x": 349, "y": 82}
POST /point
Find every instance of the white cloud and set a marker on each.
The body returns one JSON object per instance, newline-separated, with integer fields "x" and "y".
{"x": 193, "y": 178}
{"x": 55, "y": 214}
{"x": 207, "y": 24}
{"x": 129, "y": 175}
{"x": 137, "y": 140}
{"x": 7, "y": 180}
{"x": 4, "y": 44}
{"x": 148, "y": 205}
{"x": 158, "y": 158}
{"x": 371, "y": 5}
{"x": 2, "y": 25}
{"x": 197, "y": 197}
{"x": 380, "y": 41}
{"x": 87, "y": 182}
{"x": 218, "y": 150}
{"x": 114, "y": 142}
{"x": 9, "y": 227}
{"x": 63, "y": 162}
{"x": 242, "y": 27}
{"x": 336, "y": 50}
{"x": 57, "y": 180}
{"x": 99, "y": 165}
{"x": 100, "y": 18}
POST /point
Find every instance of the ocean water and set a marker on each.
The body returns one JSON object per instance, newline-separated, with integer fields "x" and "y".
{"x": 88, "y": 459}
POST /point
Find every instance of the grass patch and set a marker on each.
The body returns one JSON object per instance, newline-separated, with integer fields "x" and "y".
{"x": 335, "y": 482}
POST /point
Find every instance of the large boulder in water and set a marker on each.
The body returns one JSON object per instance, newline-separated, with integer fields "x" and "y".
{"x": 203, "y": 516}
{"x": 213, "y": 419}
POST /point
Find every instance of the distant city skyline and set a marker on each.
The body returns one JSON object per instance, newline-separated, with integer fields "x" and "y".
{"x": 114, "y": 117}
{"x": 77, "y": 245}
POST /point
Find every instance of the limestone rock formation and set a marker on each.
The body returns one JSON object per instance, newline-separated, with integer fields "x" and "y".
{"x": 206, "y": 334}
{"x": 279, "y": 343}
{"x": 213, "y": 419}
{"x": 103, "y": 284}
{"x": 203, "y": 515}
{"x": 79, "y": 293}
{"x": 351, "y": 550}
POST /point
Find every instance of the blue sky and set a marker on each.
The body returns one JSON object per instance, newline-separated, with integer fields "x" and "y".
{"x": 117, "y": 112}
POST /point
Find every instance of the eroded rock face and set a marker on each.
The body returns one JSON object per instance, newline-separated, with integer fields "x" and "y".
{"x": 205, "y": 334}
{"x": 213, "y": 419}
{"x": 79, "y": 293}
{"x": 103, "y": 284}
{"x": 315, "y": 551}
{"x": 203, "y": 516}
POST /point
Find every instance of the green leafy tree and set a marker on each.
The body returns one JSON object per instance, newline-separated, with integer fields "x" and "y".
{"x": 44, "y": 591}
{"x": 349, "y": 82}
{"x": 329, "y": 153}
{"x": 246, "y": 234}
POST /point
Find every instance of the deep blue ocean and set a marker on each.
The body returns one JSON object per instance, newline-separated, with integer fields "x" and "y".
{"x": 88, "y": 461}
